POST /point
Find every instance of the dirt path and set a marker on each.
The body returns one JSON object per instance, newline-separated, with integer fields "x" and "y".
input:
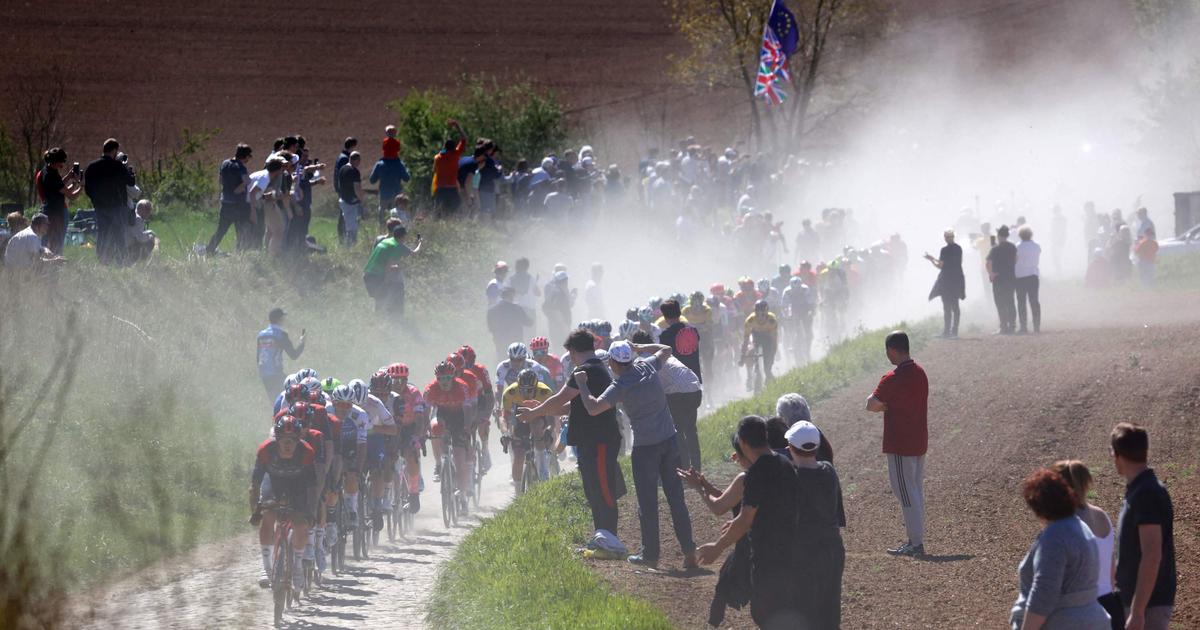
{"x": 217, "y": 585}
{"x": 999, "y": 407}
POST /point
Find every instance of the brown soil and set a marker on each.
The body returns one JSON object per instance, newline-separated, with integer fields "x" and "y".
{"x": 999, "y": 407}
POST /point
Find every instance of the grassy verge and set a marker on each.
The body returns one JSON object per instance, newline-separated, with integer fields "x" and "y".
{"x": 519, "y": 569}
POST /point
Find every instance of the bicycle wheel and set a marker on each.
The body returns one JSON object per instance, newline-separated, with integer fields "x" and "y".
{"x": 366, "y": 524}
{"x": 530, "y": 477}
{"x": 291, "y": 565}
{"x": 389, "y": 510}
{"x": 448, "y": 506}
{"x": 280, "y": 580}
{"x": 477, "y": 476}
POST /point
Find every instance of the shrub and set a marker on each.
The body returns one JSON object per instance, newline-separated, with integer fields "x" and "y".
{"x": 185, "y": 179}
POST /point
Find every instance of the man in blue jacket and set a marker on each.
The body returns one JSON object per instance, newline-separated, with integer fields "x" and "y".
{"x": 390, "y": 173}
{"x": 273, "y": 341}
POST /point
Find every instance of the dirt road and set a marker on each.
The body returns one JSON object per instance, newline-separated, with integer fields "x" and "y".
{"x": 217, "y": 585}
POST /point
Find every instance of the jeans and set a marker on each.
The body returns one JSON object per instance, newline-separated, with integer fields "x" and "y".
{"x": 950, "y": 315}
{"x": 599, "y": 471}
{"x": 653, "y": 464}
{"x": 1006, "y": 308}
{"x": 351, "y": 212}
{"x": 236, "y": 215}
{"x": 684, "y": 409}
{"x": 1027, "y": 290}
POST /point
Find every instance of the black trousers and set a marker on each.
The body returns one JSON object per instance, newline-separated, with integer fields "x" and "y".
{"x": 1003, "y": 294}
{"x": 1027, "y": 291}
{"x": 236, "y": 216}
{"x": 111, "y": 225}
{"x": 684, "y": 410}
{"x": 297, "y": 229}
{"x": 603, "y": 483}
{"x": 950, "y": 315}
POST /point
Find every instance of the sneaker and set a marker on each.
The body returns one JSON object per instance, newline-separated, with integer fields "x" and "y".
{"x": 689, "y": 561}
{"x": 437, "y": 475}
{"x": 908, "y": 549}
{"x": 642, "y": 560}
{"x": 264, "y": 579}
{"x": 414, "y": 504}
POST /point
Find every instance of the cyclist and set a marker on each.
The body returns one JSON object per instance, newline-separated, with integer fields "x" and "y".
{"x": 746, "y": 296}
{"x": 762, "y": 328}
{"x": 322, "y": 418}
{"x": 798, "y": 301}
{"x": 413, "y": 426}
{"x": 380, "y": 438}
{"x": 328, "y": 385}
{"x": 485, "y": 400}
{"x": 281, "y": 400}
{"x": 646, "y": 322}
{"x": 526, "y": 393}
{"x": 284, "y": 471}
{"x": 518, "y": 359}
{"x": 355, "y": 426}
{"x": 698, "y": 314}
{"x": 540, "y": 348}
{"x": 450, "y": 400}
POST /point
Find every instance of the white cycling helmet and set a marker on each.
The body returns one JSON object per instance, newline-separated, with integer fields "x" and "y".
{"x": 343, "y": 393}
{"x": 517, "y": 350}
{"x": 359, "y": 389}
{"x": 292, "y": 379}
{"x": 311, "y": 384}
{"x": 627, "y": 329}
{"x": 305, "y": 373}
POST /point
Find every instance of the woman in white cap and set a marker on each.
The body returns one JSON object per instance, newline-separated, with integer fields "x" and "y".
{"x": 818, "y": 537}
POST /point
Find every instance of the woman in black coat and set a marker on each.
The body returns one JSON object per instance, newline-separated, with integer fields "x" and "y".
{"x": 951, "y": 285}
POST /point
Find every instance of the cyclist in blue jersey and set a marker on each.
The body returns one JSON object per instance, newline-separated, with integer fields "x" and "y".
{"x": 273, "y": 341}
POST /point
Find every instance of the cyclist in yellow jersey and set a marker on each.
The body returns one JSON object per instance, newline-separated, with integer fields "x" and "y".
{"x": 700, "y": 315}
{"x": 762, "y": 328}
{"x": 526, "y": 393}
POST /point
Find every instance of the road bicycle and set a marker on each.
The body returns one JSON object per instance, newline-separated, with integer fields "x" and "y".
{"x": 283, "y": 557}
{"x": 338, "y": 521}
{"x": 449, "y": 492}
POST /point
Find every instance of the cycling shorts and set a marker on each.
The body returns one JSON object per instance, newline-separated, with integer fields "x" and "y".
{"x": 297, "y": 494}
{"x": 453, "y": 425}
{"x": 409, "y": 444}
{"x": 377, "y": 450}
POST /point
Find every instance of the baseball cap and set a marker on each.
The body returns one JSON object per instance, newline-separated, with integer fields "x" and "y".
{"x": 560, "y": 275}
{"x": 621, "y": 352}
{"x": 804, "y": 435}
{"x": 500, "y": 264}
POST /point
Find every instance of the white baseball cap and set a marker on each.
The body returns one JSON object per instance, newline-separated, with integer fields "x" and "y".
{"x": 560, "y": 275}
{"x": 621, "y": 352}
{"x": 804, "y": 435}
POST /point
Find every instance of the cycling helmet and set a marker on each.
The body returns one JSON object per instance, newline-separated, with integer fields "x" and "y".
{"x": 627, "y": 329}
{"x": 397, "y": 371}
{"x": 655, "y": 303}
{"x": 539, "y": 344}
{"x": 300, "y": 411}
{"x": 445, "y": 368}
{"x": 359, "y": 388}
{"x": 632, "y": 314}
{"x": 604, "y": 328}
{"x": 291, "y": 379}
{"x": 785, "y": 269}
{"x": 717, "y": 288}
{"x": 330, "y": 384}
{"x": 764, "y": 285}
{"x": 795, "y": 282}
{"x": 316, "y": 396}
{"x": 517, "y": 350}
{"x": 311, "y": 384}
{"x": 526, "y": 379}
{"x": 645, "y": 314}
{"x": 467, "y": 353}
{"x": 287, "y": 425}
{"x": 602, "y": 354}
{"x": 296, "y": 392}
{"x": 381, "y": 381}
{"x": 760, "y": 305}
{"x": 745, "y": 282}
{"x": 678, "y": 297}
{"x": 306, "y": 373}
{"x": 457, "y": 361}
{"x": 343, "y": 393}
{"x": 696, "y": 298}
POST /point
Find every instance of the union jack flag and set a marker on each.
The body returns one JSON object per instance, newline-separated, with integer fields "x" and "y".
{"x": 772, "y": 69}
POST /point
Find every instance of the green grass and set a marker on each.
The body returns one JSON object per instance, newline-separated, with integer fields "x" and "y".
{"x": 520, "y": 569}
{"x": 1178, "y": 272}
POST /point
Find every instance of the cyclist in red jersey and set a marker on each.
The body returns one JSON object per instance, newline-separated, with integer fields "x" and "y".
{"x": 473, "y": 386}
{"x": 485, "y": 401}
{"x": 413, "y": 421}
{"x": 284, "y": 471}
{"x": 540, "y": 347}
{"x": 452, "y": 402}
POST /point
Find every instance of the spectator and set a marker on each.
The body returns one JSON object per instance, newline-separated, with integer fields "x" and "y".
{"x": 383, "y": 274}
{"x": 903, "y": 397}
{"x": 308, "y": 174}
{"x": 468, "y": 166}
{"x": 489, "y": 176}
{"x": 793, "y": 408}
{"x": 557, "y": 305}
{"x": 1145, "y": 534}
{"x": 400, "y": 210}
{"x": 655, "y": 456}
{"x": 142, "y": 242}
{"x": 389, "y": 173}
{"x": 106, "y": 180}
{"x": 388, "y": 227}
{"x": 14, "y": 222}
{"x": 951, "y": 284}
{"x": 768, "y": 516}
{"x": 1059, "y": 573}
{"x": 24, "y": 249}
{"x": 235, "y": 208}
{"x": 1119, "y": 249}
{"x": 1146, "y": 252}
{"x": 497, "y": 283}
{"x": 1079, "y": 478}
{"x": 683, "y": 390}
{"x": 266, "y": 196}
{"x": 350, "y": 195}
{"x": 593, "y": 295}
{"x": 557, "y": 203}
{"x": 527, "y": 289}
{"x": 507, "y": 322}
{"x": 1142, "y": 222}
{"x": 273, "y": 342}
{"x": 1025, "y": 270}
{"x": 818, "y": 542}
{"x": 56, "y": 192}
{"x": 684, "y": 341}
{"x": 597, "y": 439}
{"x": 446, "y": 195}
{"x": 348, "y": 147}
{"x": 1001, "y": 268}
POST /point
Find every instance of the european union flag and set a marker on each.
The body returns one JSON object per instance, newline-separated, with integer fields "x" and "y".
{"x": 783, "y": 23}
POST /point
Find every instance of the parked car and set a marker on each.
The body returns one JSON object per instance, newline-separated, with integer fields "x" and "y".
{"x": 1188, "y": 242}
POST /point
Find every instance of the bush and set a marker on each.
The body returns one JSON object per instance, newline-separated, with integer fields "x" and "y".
{"x": 526, "y": 122}
{"x": 184, "y": 180}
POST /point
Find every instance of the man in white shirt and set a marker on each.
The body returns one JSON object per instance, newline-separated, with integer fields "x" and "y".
{"x": 25, "y": 250}
{"x": 496, "y": 285}
{"x": 1029, "y": 254}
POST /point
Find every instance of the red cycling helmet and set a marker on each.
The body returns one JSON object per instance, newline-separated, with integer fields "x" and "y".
{"x": 296, "y": 393}
{"x": 445, "y": 368}
{"x": 457, "y": 361}
{"x": 717, "y": 288}
{"x": 538, "y": 344}
{"x": 316, "y": 396}
{"x": 397, "y": 371}
{"x": 288, "y": 425}
{"x": 381, "y": 381}
{"x": 467, "y": 353}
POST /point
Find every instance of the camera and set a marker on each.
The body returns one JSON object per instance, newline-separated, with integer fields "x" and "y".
{"x": 75, "y": 168}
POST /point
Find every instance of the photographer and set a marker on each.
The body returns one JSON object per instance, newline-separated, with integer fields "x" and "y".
{"x": 235, "y": 209}
{"x": 383, "y": 274}
{"x": 107, "y": 181}
{"x": 56, "y": 191}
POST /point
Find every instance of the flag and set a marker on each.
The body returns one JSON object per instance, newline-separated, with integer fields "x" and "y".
{"x": 780, "y": 39}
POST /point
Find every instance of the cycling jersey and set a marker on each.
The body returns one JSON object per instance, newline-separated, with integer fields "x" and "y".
{"x": 451, "y": 405}
{"x": 378, "y": 413}
{"x": 506, "y": 374}
{"x": 798, "y": 301}
{"x": 268, "y": 461}
{"x": 272, "y": 343}
{"x": 698, "y": 316}
{"x": 354, "y": 426}
{"x": 513, "y": 397}
{"x": 744, "y": 300}
{"x": 761, "y": 324}
{"x": 553, "y": 365}
{"x": 414, "y": 405}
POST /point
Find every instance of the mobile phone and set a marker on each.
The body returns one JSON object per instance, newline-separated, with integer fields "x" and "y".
{"x": 418, "y": 236}
{"x": 75, "y": 168}
{"x": 302, "y": 331}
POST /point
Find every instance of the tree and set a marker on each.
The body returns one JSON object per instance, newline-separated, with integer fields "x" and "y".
{"x": 724, "y": 38}
{"x": 38, "y": 124}
{"x": 1171, "y": 127}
